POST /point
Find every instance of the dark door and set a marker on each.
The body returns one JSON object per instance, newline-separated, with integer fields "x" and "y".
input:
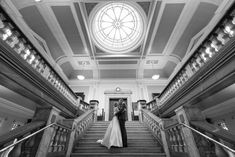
{"x": 112, "y": 101}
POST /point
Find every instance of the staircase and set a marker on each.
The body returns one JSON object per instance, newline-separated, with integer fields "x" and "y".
{"x": 140, "y": 142}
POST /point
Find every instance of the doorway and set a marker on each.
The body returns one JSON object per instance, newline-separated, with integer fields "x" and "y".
{"x": 112, "y": 101}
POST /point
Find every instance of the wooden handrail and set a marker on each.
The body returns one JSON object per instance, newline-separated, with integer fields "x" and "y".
{"x": 20, "y": 131}
{"x": 210, "y": 128}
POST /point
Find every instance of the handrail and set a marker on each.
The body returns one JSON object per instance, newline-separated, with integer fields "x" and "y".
{"x": 214, "y": 130}
{"x": 209, "y": 138}
{"x": 20, "y": 131}
{"x": 36, "y": 132}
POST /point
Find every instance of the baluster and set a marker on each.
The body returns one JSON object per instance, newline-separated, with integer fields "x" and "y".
{"x": 13, "y": 40}
{"x": 52, "y": 142}
{"x": 182, "y": 138}
{"x": 175, "y": 137}
{"x": 222, "y": 36}
{"x": 179, "y": 139}
{"x": 16, "y": 151}
{"x": 36, "y": 61}
{"x": 65, "y": 138}
{"x": 57, "y": 137}
{"x": 169, "y": 133}
{"x": 31, "y": 57}
{"x": 19, "y": 46}
{"x": 219, "y": 151}
{"x": 28, "y": 146}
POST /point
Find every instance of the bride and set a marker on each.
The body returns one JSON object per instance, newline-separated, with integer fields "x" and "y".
{"x": 113, "y": 136}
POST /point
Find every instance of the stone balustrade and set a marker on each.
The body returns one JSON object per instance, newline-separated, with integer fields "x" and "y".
{"x": 176, "y": 140}
{"x": 59, "y": 139}
{"x": 153, "y": 124}
{"x": 209, "y": 48}
{"x": 20, "y": 45}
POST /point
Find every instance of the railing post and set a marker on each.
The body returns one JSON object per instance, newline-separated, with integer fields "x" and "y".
{"x": 184, "y": 115}
{"x": 163, "y": 135}
{"x": 50, "y": 115}
{"x": 141, "y": 105}
{"x": 94, "y": 105}
{"x": 72, "y": 123}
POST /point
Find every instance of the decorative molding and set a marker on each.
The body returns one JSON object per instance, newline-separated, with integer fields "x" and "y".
{"x": 118, "y": 95}
{"x": 122, "y": 91}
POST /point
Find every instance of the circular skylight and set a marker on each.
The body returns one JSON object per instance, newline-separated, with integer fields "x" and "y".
{"x": 117, "y": 27}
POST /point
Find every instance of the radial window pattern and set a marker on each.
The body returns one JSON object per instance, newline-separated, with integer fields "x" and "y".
{"x": 117, "y": 27}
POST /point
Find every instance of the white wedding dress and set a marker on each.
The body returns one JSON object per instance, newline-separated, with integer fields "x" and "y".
{"x": 113, "y": 136}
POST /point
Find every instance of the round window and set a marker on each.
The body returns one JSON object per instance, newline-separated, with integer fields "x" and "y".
{"x": 117, "y": 27}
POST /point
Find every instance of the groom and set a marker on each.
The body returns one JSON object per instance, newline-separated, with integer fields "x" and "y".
{"x": 121, "y": 114}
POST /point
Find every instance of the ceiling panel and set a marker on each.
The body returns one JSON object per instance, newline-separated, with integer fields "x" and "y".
{"x": 148, "y": 73}
{"x": 73, "y": 19}
{"x": 169, "y": 18}
{"x": 35, "y": 21}
{"x": 164, "y": 73}
{"x": 152, "y": 26}
{"x": 67, "y": 69}
{"x": 197, "y": 23}
{"x": 137, "y": 49}
{"x": 90, "y": 7}
{"x": 145, "y": 6}
{"x": 169, "y": 67}
{"x": 65, "y": 18}
{"x": 82, "y": 24}
{"x": 117, "y": 73}
{"x": 87, "y": 73}
{"x": 117, "y": 62}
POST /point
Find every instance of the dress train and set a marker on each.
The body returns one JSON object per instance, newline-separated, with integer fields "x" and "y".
{"x": 113, "y": 136}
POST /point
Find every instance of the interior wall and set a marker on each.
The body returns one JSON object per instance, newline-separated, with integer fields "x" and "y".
{"x": 16, "y": 98}
{"x": 12, "y": 114}
{"x": 7, "y": 120}
{"x": 82, "y": 89}
{"x": 154, "y": 89}
{"x": 15, "y": 109}
{"x": 96, "y": 91}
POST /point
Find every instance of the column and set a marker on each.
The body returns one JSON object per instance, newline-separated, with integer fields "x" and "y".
{"x": 94, "y": 105}
{"x": 50, "y": 115}
{"x": 141, "y": 105}
{"x": 185, "y": 115}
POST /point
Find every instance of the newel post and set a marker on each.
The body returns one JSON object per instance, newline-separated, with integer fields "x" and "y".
{"x": 185, "y": 115}
{"x": 162, "y": 124}
{"x": 50, "y": 115}
{"x": 94, "y": 105}
{"x": 141, "y": 105}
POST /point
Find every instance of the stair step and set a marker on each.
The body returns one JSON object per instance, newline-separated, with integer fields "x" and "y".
{"x": 141, "y": 142}
{"x": 128, "y": 131}
{"x": 134, "y": 144}
{"x": 102, "y": 149}
{"x": 128, "y": 134}
{"x": 118, "y": 154}
{"x": 129, "y": 140}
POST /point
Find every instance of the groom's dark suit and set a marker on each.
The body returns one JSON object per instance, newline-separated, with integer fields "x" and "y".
{"x": 121, "y": 114}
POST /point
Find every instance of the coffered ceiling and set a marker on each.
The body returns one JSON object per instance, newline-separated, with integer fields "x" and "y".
{"x": 173, "y": 27}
